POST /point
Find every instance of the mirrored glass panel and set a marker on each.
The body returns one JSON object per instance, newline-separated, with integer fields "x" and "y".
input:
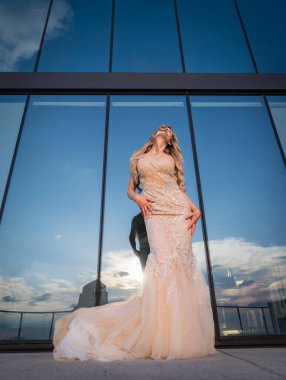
{"x": 133, "y": 119}
{"x": 264, "y": 21}
{"x": 277, "y": 105}
{"x": 145, "y": 37}
{"x": 35, "y": 326}
{"x": 212, "y": 37}
{"x": 244, "y": 188}
{"x": 28, "y": 325}
{"x": 77, "y": 37}
{"x": 11, "y": 113}
{"x": 50, "y": 227}
{"x": 21, "y": 29}
{"x": 9, "y": 325}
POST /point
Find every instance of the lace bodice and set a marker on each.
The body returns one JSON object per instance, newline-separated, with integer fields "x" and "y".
{"x": 157, "y": 177}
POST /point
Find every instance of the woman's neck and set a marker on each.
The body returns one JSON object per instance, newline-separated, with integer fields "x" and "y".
{"x": 158, "y": 147}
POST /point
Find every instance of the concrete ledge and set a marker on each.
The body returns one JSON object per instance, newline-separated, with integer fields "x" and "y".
{"x": 241, "y": 363}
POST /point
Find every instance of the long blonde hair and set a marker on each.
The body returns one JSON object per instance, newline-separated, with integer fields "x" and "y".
{"x": 172, "y": 149}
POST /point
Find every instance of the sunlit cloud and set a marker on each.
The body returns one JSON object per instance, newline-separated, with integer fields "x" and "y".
{"x": 87, "y": 274}
{"x": 245, "y": 258}
{"x": 9, "y": 299}
{"x": 121, "y": 272}
{"x": 40, "y": 298}
{"x": 60, "y": 21}
{"x": 16, "y": 289}
{"x": 21, "y": 29}
{"x": 263, "y": 269}
{"x": 258, "y": 272}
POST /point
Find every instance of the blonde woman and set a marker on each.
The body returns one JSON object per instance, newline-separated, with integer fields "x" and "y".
{"x": 171, "y": 316}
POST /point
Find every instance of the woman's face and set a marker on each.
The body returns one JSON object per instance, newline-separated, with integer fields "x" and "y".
{"x": 165, "y": 131}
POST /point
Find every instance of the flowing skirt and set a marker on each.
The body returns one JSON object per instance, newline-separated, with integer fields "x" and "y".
{"x": 169, "y": 318}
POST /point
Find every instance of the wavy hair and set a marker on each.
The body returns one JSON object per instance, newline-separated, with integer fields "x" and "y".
{"x": 171, "y": 148}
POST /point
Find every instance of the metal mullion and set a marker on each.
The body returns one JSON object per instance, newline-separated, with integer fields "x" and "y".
{"x": 102, "y": 208}
{"x": 203, "y": 220}
{"x": 179, "y": 36}
{"x": 111, "y": 37}
{"x": 43, "y": 37}
{"x": 245, "y": 36}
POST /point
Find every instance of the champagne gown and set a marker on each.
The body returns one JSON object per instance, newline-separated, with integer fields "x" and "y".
{"x": 171, "y": 316}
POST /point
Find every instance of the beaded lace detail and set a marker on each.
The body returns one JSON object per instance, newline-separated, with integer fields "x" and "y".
{"x": 169, "y": 239}
{"x": 157, "y": 177}
{"x": 171, "y": 251}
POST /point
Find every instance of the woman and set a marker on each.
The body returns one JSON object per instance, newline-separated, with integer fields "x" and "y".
{"x": 171, "y": 316}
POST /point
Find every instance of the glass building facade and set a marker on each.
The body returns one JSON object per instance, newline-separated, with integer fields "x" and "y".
{"x": 83, "y": 85}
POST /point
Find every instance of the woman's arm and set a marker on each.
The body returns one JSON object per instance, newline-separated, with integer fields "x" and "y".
{"x": 143, "y": 201}
{"x": 131, "y": 190}
{"x": 193, "y": 206}
{"x": 194, "y": 215}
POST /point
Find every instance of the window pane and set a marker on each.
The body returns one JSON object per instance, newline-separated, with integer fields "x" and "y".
{"x": 21, "y": 29}
{"x": 35, "y": 326}
{"x": 50, "y": 227}
{"x": 252, "y": 321}
{"x": 244, "y": 188}
{"x": 264, "y": 21}
{"x": 133, "y": 119}
{"x": 145, "y": 37}
{"x": 78, "y": 36}
{"x": 11, "y": 112}
{"x": 229, "y": 322}
{"x": 212, "y": 37}
{"x": 9, "y": 325}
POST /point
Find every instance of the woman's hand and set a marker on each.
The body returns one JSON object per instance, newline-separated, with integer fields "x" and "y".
{"x": 143, "y": 203}
{"x": 194, "y": 216}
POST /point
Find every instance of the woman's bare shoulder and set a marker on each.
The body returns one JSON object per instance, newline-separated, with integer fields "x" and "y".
{"x": 140, "y": 155}
{"x": 136, "y": 154}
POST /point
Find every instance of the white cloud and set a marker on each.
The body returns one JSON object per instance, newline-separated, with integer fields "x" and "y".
{"x": 122, "y": 275}
{"x": 21, "y": 29}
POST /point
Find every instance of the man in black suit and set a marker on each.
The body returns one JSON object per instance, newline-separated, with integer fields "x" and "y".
{"x": 138, "y": 229}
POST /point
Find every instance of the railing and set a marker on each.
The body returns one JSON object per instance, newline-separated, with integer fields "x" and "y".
{"x": 254, "y": 323}
{"x": 251, "y": 328}
{"x": 22, "y": 313}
